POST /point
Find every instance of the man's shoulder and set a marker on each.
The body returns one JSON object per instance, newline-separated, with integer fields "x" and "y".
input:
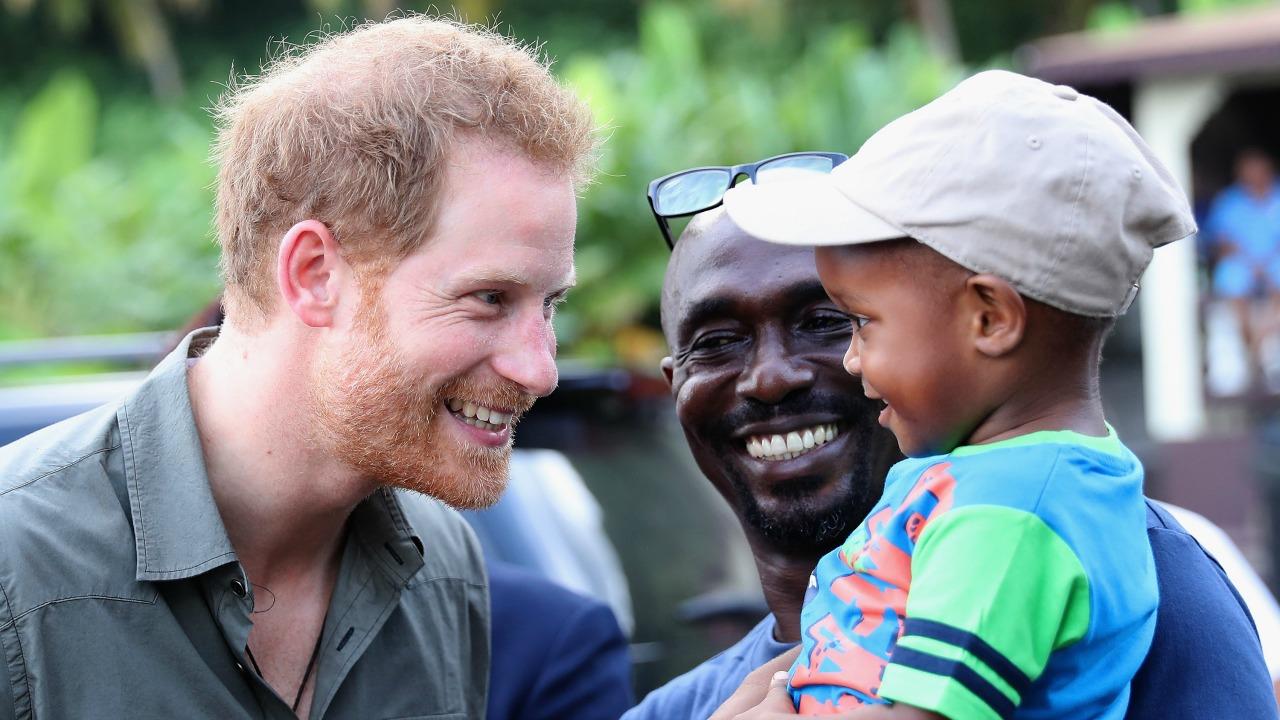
{"x": 56, "y": 450}
{"x": 63, "y": 530}
{"x": 1203, "y": 631}
{"x": 449, "y": 547}
{"x": 697, "y": 693}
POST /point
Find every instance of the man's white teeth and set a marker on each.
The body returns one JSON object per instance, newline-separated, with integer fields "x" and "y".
{"x": 793, "y": 444}
{"x": 479, "y": 415}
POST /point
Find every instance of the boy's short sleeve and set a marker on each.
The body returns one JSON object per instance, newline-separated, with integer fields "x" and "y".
{"x": 994, "y": 591}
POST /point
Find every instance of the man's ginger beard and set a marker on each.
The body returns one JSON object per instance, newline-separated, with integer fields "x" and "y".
{"x": 379, "y": 417}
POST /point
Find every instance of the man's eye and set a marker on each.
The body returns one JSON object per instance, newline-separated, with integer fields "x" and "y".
{"x": 711, "y": 343}
{"x": 489, "y": 297}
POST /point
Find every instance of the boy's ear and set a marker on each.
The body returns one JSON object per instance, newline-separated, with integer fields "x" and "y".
{"x": 1000, "y": 315}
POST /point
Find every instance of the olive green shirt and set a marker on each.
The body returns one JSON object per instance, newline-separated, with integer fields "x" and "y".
{"x": 121, "y": 596}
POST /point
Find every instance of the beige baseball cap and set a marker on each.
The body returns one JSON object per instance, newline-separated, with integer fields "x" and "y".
{"x": 1035, "y": 183}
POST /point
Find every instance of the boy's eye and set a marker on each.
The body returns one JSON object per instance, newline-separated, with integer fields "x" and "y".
{"x": 859, "y": 321}
{"x": 828, "y": 322}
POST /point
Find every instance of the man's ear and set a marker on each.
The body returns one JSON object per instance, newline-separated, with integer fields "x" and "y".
{"x": 310, "y": 272}
{"x": 667, "y": 369}
{"x": 999, "y": 319}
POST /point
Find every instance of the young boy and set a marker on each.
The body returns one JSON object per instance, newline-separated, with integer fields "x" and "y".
{"x": 983, "y": 246}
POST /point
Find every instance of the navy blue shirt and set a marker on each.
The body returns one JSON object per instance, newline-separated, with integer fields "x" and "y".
{"x": 1205, "y": 660}
{"x": 556, "y": 654}
{"x": 697, "y": 693}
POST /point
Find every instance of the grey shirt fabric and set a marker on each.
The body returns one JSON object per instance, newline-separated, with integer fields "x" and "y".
{"x": 121, "y": 596}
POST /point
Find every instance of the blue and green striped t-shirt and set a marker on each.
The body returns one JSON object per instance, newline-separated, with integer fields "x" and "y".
{"x": 1013, "y": 579}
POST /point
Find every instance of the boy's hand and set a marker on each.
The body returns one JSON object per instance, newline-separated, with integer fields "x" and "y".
{"x": 763, "y": 695}
{"x": 753, "y": 689}
{"x": 776, "y": 704}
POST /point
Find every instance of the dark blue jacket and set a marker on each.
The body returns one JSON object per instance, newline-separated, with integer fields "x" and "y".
{"x": 556, "y": 654}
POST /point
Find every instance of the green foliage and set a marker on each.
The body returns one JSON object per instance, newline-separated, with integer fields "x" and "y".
{"x": 1114, "y": 17}
{"x": 682, "y": 98}
{"x": 1210, "y": 6}
{"x": 104, "y": 215}
{"x": 105, "y": 207}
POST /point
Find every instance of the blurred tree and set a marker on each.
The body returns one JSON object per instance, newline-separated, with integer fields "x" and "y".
{"x": 100, "y": 189}
{"x": 935, "y": 20}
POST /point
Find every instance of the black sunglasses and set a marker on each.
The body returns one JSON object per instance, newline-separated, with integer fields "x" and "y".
{"x": 690, "y": 192}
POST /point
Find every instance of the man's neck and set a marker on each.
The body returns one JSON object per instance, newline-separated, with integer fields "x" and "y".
{"x": 283, "y": 501}
{"x": 784, "y": 577}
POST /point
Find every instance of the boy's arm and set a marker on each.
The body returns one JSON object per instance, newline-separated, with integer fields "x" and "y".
{"x": 777, "y": 706}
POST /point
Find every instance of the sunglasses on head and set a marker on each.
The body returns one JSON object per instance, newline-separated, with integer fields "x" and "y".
{"x": 690, "y": 192}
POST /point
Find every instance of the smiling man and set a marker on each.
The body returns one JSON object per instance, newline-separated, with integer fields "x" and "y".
{"x": 774, "y": 422}
{"x": 396, "y": 210}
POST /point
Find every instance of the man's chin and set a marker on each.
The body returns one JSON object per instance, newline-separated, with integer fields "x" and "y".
{"x": 467, "y": 483}
{"x": 805, "y": 514}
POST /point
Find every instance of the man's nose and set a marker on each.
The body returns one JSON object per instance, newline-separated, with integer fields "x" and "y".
{"x": 773, "y": 372}
{"x": 529, "y": 359}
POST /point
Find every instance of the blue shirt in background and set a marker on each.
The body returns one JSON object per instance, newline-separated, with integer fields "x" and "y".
{"x": 1251, "y": 223}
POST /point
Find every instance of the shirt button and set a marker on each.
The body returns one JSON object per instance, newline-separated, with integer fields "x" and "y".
{"x": 237, "y": 587}
{"x": 240, "y": 667}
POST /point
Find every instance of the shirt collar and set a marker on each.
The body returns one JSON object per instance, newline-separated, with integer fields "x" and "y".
{"x": 380, "y": 523}
{"x": 178, "y": 529}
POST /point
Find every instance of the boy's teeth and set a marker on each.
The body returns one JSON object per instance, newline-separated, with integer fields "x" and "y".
{"x": 792, "y": 444}
{"x": 479, "y": 415}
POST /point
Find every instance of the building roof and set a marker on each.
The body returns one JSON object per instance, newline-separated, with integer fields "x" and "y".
{"x": 1239, "y": 41}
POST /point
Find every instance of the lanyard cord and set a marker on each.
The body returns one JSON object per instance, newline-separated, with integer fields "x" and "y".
{"x": 306, "y": 674}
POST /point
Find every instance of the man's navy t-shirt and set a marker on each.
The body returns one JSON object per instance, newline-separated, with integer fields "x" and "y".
{"x": 697, "y": 693}
{"x": 1204, "y": 662}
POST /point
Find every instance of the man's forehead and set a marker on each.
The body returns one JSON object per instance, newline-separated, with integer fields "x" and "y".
{"x": 726, "y": 262}
{"x": 735, "y": 278}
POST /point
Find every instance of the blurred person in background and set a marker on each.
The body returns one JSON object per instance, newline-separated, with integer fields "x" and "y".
{"x": 556, "y": 654}
{"x": 1243, "y": 231}
{"x": 756, "y": 353}
{"x": 396, "y": 211}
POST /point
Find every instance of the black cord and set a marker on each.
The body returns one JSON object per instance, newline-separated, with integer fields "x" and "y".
{"x": 311, "y": 664}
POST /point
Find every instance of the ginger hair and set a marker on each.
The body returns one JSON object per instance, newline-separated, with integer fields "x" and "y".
{"x": 356, "y": 129}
